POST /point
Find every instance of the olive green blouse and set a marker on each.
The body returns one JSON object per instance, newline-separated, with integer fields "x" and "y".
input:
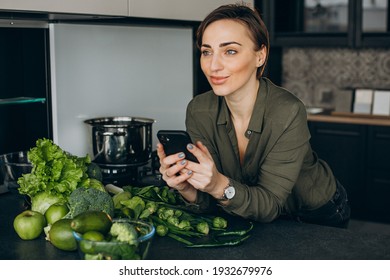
{"x": 280, "y": 173}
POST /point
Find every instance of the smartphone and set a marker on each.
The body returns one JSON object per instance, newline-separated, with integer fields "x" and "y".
{"x": 176, "y": 141}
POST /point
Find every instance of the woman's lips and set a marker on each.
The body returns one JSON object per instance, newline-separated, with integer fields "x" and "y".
{"x": 218, "y": 80}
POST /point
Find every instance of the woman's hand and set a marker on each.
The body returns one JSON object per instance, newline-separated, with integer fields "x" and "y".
{"x": 205, "y": 176}
{"x": 175, "y": 174}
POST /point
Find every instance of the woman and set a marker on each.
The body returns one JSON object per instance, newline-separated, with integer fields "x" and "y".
{"x": 252, "y": 139}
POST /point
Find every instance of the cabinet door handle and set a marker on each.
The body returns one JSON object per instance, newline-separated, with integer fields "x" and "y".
{"x": 338, "y": 132}
{"x": 382, "y": 181}
{"x": 382, "y": 136}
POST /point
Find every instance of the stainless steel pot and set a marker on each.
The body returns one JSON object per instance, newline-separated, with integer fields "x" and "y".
{"x": 121, "y": 140}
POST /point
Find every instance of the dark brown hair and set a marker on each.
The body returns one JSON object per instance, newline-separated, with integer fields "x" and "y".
{"x": 244, "y": 15}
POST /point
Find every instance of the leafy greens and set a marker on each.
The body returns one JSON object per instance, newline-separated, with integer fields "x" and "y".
{"x": 54, "y": 172}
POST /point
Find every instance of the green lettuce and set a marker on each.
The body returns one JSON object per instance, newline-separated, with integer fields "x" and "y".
{"x": 54, "y": 171}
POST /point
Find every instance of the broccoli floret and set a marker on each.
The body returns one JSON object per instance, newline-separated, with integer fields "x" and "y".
{"x": 124, "y": 232}
{"x": 86, "y": 199}
{"x": 94, "y": 171}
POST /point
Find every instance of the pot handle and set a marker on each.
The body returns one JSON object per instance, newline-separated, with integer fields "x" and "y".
{"x": 111, "y": 133}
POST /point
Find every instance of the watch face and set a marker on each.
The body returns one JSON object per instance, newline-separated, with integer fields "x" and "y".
{"x": 230, "y": 192}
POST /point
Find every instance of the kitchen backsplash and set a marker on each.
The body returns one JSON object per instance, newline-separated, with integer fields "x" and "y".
{"x": 326, "y": 77}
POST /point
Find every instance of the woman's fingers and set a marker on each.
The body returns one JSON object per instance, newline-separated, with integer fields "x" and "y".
{"x": 200, "y": 151}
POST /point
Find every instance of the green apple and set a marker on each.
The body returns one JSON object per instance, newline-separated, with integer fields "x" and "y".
{"x": 29, "y": 224}
{"x": 56, "y": 212}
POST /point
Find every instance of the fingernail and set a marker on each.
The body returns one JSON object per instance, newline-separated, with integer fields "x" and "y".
{"x": 183, "y": 162}
{"x": 181, "y": 155}
{"x": 189, "y": 172}
{"x": 190, "y": 146}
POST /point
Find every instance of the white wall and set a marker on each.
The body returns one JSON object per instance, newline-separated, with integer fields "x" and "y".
{"x": 101, "y": 71}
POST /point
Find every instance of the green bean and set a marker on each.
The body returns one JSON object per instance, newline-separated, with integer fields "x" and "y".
{"x": 233, "y": 242}
{"x": 180, "y": 239}
{"x": 237, "y": 232}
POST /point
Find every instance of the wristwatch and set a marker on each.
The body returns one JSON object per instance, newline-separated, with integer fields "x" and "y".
{"x": 228, "y": 192}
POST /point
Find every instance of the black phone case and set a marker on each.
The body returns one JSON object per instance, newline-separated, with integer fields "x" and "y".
{"x": 175, "y": 141}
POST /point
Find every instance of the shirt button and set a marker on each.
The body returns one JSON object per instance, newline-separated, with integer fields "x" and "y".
{"x": 249, "y": 132}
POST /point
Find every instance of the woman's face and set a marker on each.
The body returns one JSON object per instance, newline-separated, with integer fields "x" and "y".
{"x": 228, "y": 58}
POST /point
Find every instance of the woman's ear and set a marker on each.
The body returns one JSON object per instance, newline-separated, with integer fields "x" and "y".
{"x": 261, "y": 56}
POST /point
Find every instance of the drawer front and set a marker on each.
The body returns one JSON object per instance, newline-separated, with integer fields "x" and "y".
{"x": 342, "y": 147}
{"x": 378, "y": 196}
{"x": 379, "y": 147}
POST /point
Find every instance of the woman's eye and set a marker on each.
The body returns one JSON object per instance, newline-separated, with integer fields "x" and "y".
{"x": 231, "y": 52}
{"x": 206, "y": 52}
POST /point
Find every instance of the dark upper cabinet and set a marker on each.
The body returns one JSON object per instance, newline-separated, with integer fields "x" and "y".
{"x": 25, "y": 113}
{"x": 373, "y": 23}
{"x": 326, "y": 23}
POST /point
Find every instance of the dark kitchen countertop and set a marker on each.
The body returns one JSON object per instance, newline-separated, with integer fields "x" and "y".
{"x": 279, "y": 240}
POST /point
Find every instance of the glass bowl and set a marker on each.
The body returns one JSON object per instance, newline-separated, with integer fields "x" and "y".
{"x": 13, "y": 166}
{"x": 136, "y": 249}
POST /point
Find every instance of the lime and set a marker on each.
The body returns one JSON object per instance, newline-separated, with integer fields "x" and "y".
{"x": 93, "y": 235}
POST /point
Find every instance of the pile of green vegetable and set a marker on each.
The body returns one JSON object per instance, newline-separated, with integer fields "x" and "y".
{"x": 58, "y": 177}
{"x": 55, "y": 175}
{"x": 167, "y": 211}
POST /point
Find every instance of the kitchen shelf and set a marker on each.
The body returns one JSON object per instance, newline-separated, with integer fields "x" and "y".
{"x": 21, "y": 100}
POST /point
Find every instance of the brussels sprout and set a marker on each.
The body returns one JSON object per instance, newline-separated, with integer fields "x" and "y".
{"x": 166, "y": 213}
{"x": 184, "y": 224}
{"x": 161, "y": 230}
{"x": 219, "y": 222}
{"x": 178, "y": 213}
{"x": 152, "y": 206}
{"x": 173, "y": 220}
{"x": 203, "y": 227}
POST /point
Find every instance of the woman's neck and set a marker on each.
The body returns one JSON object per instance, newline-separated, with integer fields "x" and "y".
{"x": 241, "y": 103}
{"x": 241, "y": 107}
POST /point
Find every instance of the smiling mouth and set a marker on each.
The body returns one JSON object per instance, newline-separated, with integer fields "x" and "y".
{"x": 218, "y": 80}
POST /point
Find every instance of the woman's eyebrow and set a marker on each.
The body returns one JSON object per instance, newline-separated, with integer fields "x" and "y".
{"x": 223, "y": 44}
{"x": 229, "y": 43}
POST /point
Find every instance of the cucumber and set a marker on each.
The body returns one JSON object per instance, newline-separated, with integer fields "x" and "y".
{"x": 92, "y": 221}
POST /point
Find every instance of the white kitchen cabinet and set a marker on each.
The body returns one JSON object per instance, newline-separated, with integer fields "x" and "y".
{"x": 176, "y": 9}
{"x": 193, "y": 10}
{"x": 95, "y": 7}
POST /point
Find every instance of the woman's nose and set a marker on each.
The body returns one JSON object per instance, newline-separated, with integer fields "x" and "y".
{"x": 216, "y": 63}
